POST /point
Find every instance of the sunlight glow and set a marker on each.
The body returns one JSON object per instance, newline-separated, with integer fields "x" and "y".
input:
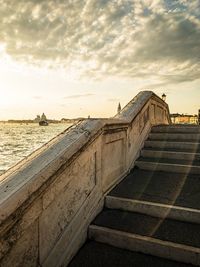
{"x": 6, "y": 99}
{"x": 75, "y": 58}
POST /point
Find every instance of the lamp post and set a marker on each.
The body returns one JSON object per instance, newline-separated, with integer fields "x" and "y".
{"x": 164, "y": 97}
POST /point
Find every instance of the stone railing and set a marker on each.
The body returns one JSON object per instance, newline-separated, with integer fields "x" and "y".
{"x": 48, "y": 200}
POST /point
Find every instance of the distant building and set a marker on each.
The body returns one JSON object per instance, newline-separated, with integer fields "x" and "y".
{"x": 184, "y": 118}
{"x": 43, "y": 117}
{"x": 119, "y": 108}
{"x": 37, "y": 119}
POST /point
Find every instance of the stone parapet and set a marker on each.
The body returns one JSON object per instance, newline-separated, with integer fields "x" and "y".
{"x": 48, "y": 200}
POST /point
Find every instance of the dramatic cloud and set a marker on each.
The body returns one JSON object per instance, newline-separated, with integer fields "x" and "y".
{"x": 97, "y": 38}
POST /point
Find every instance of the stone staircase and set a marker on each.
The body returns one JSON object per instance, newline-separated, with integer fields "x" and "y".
{"x": 152, "y": 218}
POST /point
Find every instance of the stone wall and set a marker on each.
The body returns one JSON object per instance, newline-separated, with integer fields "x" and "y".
{"x": 48, "y": 200}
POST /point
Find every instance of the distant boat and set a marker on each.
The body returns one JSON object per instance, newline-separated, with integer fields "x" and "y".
{"x": 43, "y": 123}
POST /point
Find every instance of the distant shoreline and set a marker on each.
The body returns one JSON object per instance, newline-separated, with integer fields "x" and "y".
{"x": 50, "y": 121}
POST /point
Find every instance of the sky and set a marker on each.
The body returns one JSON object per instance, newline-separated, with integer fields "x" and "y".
{"x": 74, "y": 58}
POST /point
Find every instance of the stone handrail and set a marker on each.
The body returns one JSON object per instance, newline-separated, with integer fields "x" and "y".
{"x": 48, "y": 200}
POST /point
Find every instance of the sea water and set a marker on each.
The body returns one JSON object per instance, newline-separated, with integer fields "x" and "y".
{"x": 18, "y": 140}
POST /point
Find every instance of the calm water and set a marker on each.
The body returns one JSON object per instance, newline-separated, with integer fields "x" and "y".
{"x": 19, "y": 140}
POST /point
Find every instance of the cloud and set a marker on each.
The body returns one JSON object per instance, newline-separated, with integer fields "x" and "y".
{"x": 113, "y": 99}
{"x": 78, "y": 96}
{"x": 37, "y": 97}
{"x": 98, "y": 38}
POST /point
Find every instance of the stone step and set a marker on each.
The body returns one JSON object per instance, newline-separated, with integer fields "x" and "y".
{"x": 161, "y": 165}
{"x": 160, "y": 187}
{"x": 160, "y": 237}
{"x": 158, "y": 194}
{"x": 177, "y": 149}
{"x": 95, "y": 254}
{"x": 189, "y": 137}
{"x": 193, "y": 162}
{"x": 170, "y": 155}
{"x": 153, "y": 209}
{"x": 176, "y": 129}
{"x": 194, "y": 147}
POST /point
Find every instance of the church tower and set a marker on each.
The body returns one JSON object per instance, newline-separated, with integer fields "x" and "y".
{"x": 119, "y": 108}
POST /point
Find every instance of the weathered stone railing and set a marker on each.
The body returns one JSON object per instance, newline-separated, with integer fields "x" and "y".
{"x": 49, "y": 199}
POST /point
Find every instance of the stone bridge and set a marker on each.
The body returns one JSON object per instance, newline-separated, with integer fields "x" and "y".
{"x": 48, "y": 200}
